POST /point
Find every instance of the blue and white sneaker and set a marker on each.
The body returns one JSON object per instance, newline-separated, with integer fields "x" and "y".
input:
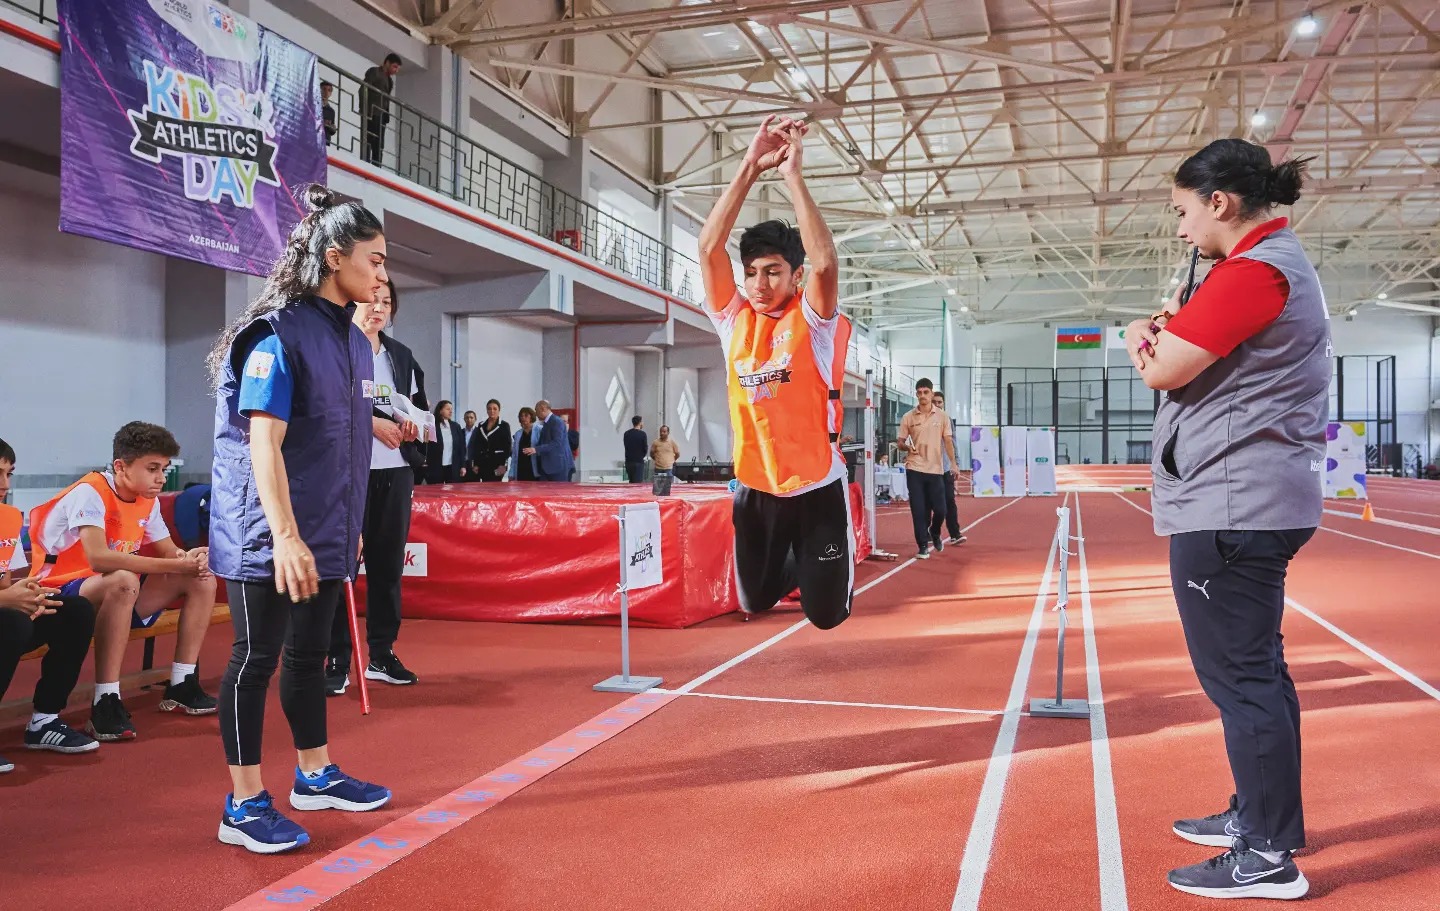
{"x": 257, "y": 826}
{"x": 62, "y": 738}
{"x": 332, "y": 789}
{"x": 6, "y": 765}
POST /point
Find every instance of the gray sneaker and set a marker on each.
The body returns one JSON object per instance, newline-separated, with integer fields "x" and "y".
{"x": 1217, "y": 831}
{"x": 1241, "y": 873}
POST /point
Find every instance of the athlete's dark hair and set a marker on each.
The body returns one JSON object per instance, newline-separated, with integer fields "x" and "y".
{"x": 524, "y": 411}
{"x": 635, "y": 421}
{"x": 773, "y": 237}
{"x": 495, "y": 402}
{"x": 1243, "y": 168}
{"x": 395, "y": 59}
{"x": 441, "y": 404}
{"x": 138, "y": 439}
{"x": 924, "y": 383}
{"x": 301, "y": 269}
{"x": 7, "y": 454}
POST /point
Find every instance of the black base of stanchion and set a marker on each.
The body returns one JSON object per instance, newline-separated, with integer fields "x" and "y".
{"x": 1066, "y": 708}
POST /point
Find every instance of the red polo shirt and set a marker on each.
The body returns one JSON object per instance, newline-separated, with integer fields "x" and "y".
{"x": 1237, "y": 299}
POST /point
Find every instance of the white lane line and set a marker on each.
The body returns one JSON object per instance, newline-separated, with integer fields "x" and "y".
{"x": 846, "y": 705}
{"x": 1107, "y": 817}
{"x": 798, "y": 625}
{"x": 1413, "y": 679}
{"x": 981, "y": 841}
{"x": 1429, "y": 530}
{"x": 1408, "y": 550}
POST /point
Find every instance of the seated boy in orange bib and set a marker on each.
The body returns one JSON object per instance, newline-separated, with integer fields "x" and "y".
{"x": 785, "y": 350}
{"x": 86, "y": 542}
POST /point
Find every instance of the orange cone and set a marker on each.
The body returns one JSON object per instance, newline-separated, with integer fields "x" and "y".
{"x": 1369, "y": 514}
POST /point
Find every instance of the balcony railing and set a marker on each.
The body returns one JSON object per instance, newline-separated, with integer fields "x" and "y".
{"x": 394, "y": 136}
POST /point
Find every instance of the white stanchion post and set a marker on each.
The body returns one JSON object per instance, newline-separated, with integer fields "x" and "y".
{"x": 633, "y": 552}
{"x": 875, "y": 552}
{"x": 1060, "y": 707}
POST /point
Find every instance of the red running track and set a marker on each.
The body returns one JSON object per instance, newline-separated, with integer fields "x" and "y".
{"x": 758, "y": 790}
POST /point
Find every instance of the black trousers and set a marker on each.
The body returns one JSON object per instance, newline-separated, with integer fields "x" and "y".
{"x": 67, "y": 632}
{"x": 372, "y": 140}
{"x": 387, "y": 527}
{"x": 442, "y": 474}
{"x": 952, "y": 510}
{"x": 267, "y": 626}
{"x": 926, "y": 509}
{"x": 635, "y": 472}
{"x": 804, "y": 541}
{"x": 1230, "y": 588}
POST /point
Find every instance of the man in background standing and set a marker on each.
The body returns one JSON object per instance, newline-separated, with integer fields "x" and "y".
{"x": 555, "y": 459}
{"x": 637, "y": 446}
{"x": 470, "y": 471}
{"x": 375, "y": 107}
{"x": 952, "y": 510}
{"x": 925, "y": 435}
{"x": 664, "y": 452}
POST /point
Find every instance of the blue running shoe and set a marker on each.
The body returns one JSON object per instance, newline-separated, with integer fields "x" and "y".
{"x": 257, "y": 826}
{"x": 332, "y": 789}
{"x": 62, "y": 738}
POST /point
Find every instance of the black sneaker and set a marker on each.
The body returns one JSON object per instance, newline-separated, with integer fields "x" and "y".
{"x": 337, "y": 676}
{"x": 939, "y": 544}
{"x": 388, "y": 668}
{"x": 62, "y": 738}
{"x": 924, "y": 553}
{"x": 1241, "y": 873}
{"x": 188, "y": 695}
{"x": 110, "y": 720}
{"x": 6, "y": 765}
{"x": 1217, "y": 831}
{"x": 956, "y": 539}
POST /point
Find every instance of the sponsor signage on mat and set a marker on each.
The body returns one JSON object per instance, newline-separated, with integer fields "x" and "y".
{"x": 186, "y": 128}
{"x": 417, "y": 560}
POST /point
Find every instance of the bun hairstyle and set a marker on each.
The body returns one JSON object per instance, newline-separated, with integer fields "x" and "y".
{"x": 301, "y": 268}
{"x": 1244, "y": 169}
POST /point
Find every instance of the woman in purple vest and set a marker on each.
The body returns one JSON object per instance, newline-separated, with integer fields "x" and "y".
{"x": 295, "y": 382}
{"x": 1239, "y": 441}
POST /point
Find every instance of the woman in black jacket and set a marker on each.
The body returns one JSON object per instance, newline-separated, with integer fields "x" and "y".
{"x": 490, "y": 445}
{"x": 438, "y": 470}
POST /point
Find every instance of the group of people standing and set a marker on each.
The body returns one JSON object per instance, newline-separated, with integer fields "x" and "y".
{"x": 543, "y": 449}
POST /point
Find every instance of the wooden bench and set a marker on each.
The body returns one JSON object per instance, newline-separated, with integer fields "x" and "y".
{"x": 148, "y": 674}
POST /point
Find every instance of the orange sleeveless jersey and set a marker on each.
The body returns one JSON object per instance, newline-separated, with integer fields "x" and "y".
{"x": 11, "y": 519}
{"x": 124, "y": 532}
{"x": 785, "y": 406}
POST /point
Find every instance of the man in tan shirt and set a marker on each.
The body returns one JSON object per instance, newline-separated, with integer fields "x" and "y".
{"x": 664, "y": 451}
{"x": 925, "y": 435}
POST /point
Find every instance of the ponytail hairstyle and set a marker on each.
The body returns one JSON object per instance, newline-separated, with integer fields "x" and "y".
{"x": 301, "y": 269}
{"x": 1244, "y": 169}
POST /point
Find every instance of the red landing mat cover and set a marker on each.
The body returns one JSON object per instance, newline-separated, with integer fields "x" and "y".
{"x": 551, "y": 552}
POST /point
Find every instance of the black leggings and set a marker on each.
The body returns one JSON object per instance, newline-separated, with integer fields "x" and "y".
{"x": 264, "y": 621}
{"x": 67, "y": 632}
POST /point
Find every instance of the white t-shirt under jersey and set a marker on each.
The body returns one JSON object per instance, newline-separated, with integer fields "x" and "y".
{"x": 83, "y": 508}
{"x": 382, "y": 456}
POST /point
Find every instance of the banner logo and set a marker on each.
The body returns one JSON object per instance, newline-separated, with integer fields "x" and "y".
{"x": 220, "y": 134}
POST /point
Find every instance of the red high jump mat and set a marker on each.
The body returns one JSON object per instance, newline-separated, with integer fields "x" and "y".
{"x": 537, "y": 552}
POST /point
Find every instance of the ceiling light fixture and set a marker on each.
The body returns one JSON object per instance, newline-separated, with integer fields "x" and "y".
{"x": 1307, "y": 26}
{"x": 1381, "y": 296}
{"x": 1258, "y": 119}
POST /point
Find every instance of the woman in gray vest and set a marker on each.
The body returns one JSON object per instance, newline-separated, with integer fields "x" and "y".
{"x": 1238, "y": 446}
{"x": 295, "y": 385}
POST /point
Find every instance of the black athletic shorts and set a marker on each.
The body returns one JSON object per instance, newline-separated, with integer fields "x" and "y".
{"x": 803, "y": 541}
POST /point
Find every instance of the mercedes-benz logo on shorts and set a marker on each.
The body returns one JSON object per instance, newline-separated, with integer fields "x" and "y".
{"x": 832, "y": 552}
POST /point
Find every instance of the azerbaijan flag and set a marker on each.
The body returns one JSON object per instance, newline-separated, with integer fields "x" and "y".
{"x": 1071, "y": 339}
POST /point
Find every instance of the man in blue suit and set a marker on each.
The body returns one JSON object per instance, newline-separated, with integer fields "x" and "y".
{"x": 553, "y": 451}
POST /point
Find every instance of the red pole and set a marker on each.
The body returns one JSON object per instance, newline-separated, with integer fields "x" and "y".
{"x": 355, "y": 647}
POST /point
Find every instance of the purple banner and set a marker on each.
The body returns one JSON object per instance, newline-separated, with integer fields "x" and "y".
{"x": 186, "y": 130}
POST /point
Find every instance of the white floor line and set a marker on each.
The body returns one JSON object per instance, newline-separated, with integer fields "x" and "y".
{"x": 1408, "y": 550}
{"x": 1394, "y": 668}
{"x": 1429, "y": 530}
{"x": 847, "y": 705}
{"x": 1107, "y": 816}
{"x": 795, "y": 627}
{"x": 1350, "y": 640}
{"x": 981, "y": 841}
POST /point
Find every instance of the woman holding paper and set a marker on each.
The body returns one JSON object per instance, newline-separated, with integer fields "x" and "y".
{"x": 393, "y": 455}
{"x": 294, "y": 385}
